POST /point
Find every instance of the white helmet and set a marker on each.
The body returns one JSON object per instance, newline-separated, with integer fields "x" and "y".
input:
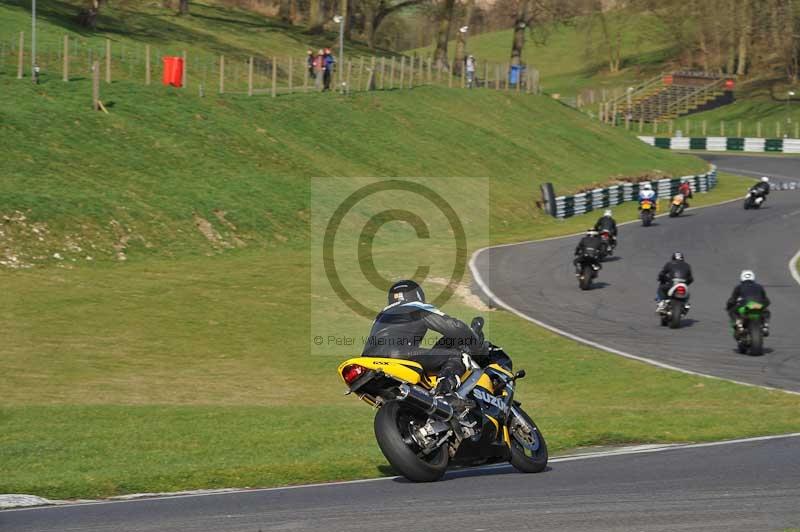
{"x": 765, "y": 179}
{"x": 747, "y": 275}
{"x": 607, "y": 212}
{"x": 647, "y": 186}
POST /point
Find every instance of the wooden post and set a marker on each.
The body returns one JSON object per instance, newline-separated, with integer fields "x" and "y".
{"x": 411, "y": 61}
{"x": 655, "y": 127}
{"x": 627, "y": 121}
{"x": 383, "y": 72}
{"x": 349, "y": 73}
{"x": 65, "y": 64}
{"x": 250, "y": 76}
{"x": 391, "y": 74}
{"x": 641, "y": 124}
{"x": 360, "y": 71}
{"x": 704, "y": 128}
{"x": 463, "y": 76}
{"x": 758, "y": 129}
{"x": 402, "y": 70}
{"x": 222, "y": 74}
{"x": 147, "y": 73}
{"x": 371, "y": 77}
{"x": 486, "y": 74}
{"x": 108, "y": 60}
{"x": 739, "y": 129}
{"x": 274, "y": 76}
{"x": 777, "y": 130}
{"x": 449, "y": 79}
{"x": 497, "y": 77}
{"x": 21, "y": 53}
{"x": 96, "y": 86}
{"x": 505, "y": 76}
{"x": 185, "y": 69}
{"x": 290, "y": 75}
{"x": 430, "y": 70}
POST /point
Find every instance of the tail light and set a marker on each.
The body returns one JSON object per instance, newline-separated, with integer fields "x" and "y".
{"x": 605, "y": 235}
{"x": 680, "y": 290}
{"x": 352, "y": 372}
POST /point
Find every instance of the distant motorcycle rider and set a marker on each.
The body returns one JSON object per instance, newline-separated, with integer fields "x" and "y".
{"x": 761, "y": 188}
{"x": 588, "y": 248}
{"x": 676, "y": 268}
{"x": 685, "y": 189}
{"x": 748, "y": 290}
{"x": 400, "y": 327}
{"x": 646, "y": 192}
{"x": 607, "y": 223}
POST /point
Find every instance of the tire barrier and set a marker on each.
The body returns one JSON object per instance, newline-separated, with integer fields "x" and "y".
{"x": 599, "y": 198}
{"x": 744, "y": 144}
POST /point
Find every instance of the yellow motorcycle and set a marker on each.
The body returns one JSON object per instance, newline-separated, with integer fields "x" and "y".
{"x": 647, "y": 211}
{"x": 421, "y": 435}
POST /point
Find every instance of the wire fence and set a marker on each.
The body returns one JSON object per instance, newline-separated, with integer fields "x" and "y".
{"x": 73, "y": 57}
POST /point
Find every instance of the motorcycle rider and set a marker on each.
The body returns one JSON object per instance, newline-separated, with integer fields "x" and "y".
{"x": 589, "y": 246}
{"x": 607, "y": 223}
{"x": 400, "y": 327}
{"x": 676, "y": 268}
{"x": 646, "y": 192}
{"x": 761, "y": 188}
{"x": 686, "y": 190}
{"x": 748, "y": 290}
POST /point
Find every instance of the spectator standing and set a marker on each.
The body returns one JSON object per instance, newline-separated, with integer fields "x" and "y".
{"x": 470, "y": 65}
{"x": 310, "y": 57}
{"x": 328, "y": 62}
{"x": 319, "y": 67}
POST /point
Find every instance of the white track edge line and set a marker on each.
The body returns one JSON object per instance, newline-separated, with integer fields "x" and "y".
{"x": 793, "y": 267}
{"x": 639, "y": 449}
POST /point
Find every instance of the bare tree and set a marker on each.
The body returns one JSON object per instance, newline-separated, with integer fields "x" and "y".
{"x": 443, "y": 33}
{"x": 183, "y": 7}
{"x": 376, "y": 11}
{"x": 315, "y": 16}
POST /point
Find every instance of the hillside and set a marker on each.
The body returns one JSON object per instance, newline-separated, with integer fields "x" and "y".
{"x": 142, "y": 177}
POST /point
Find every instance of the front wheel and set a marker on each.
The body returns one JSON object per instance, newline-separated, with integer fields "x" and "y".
{"x": 393, "y": 424}
{"x": 528, "y": 448}
{"x": 747, "y": 204}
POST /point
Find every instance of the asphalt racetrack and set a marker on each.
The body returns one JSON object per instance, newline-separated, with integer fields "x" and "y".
{"x": 537, "y": 280}
{"x": 742, "y": 486}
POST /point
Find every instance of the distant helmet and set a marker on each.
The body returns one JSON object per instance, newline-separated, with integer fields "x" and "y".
{"x": 607, "y": 212}
{"x": 747, "y": 275}
{"x": 405, "y": 291}
{"x": 765, "y": 179}
{"x": 677, "y": 256}
{"x": 647, "y": 186}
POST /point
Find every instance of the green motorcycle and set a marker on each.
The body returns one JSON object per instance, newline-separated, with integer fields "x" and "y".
{"x": 750, "y": 336}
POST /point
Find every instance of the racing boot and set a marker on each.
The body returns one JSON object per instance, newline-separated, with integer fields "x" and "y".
{"x": 446, "y": 388}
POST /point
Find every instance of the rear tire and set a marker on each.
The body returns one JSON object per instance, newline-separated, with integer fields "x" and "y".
{"x": 390, "y": 422}
{"x": 676, "y": 309}
{"x": 756, "y": 339}
{"x": 585, "y": 280}
{"x": 521, "y": 444}
{"x": 673, "y": 212}
{"x": 647, "y": 218}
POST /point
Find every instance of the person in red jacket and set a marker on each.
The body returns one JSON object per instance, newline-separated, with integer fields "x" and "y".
{"x": 686, "y": 189}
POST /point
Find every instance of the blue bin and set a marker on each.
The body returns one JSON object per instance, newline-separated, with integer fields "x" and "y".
{"x": 514, "y": 74}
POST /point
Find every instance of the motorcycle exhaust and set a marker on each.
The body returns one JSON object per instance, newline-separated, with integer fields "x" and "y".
{"x": 421, "y": 399}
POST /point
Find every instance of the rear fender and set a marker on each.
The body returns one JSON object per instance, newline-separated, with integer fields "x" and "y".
{"x": 403, "y": 370}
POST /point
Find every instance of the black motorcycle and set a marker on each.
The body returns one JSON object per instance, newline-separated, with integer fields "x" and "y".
{"x": 587, "y": 264}
{"x": 677, "y": 306}
{"x": 754, "y": 199}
